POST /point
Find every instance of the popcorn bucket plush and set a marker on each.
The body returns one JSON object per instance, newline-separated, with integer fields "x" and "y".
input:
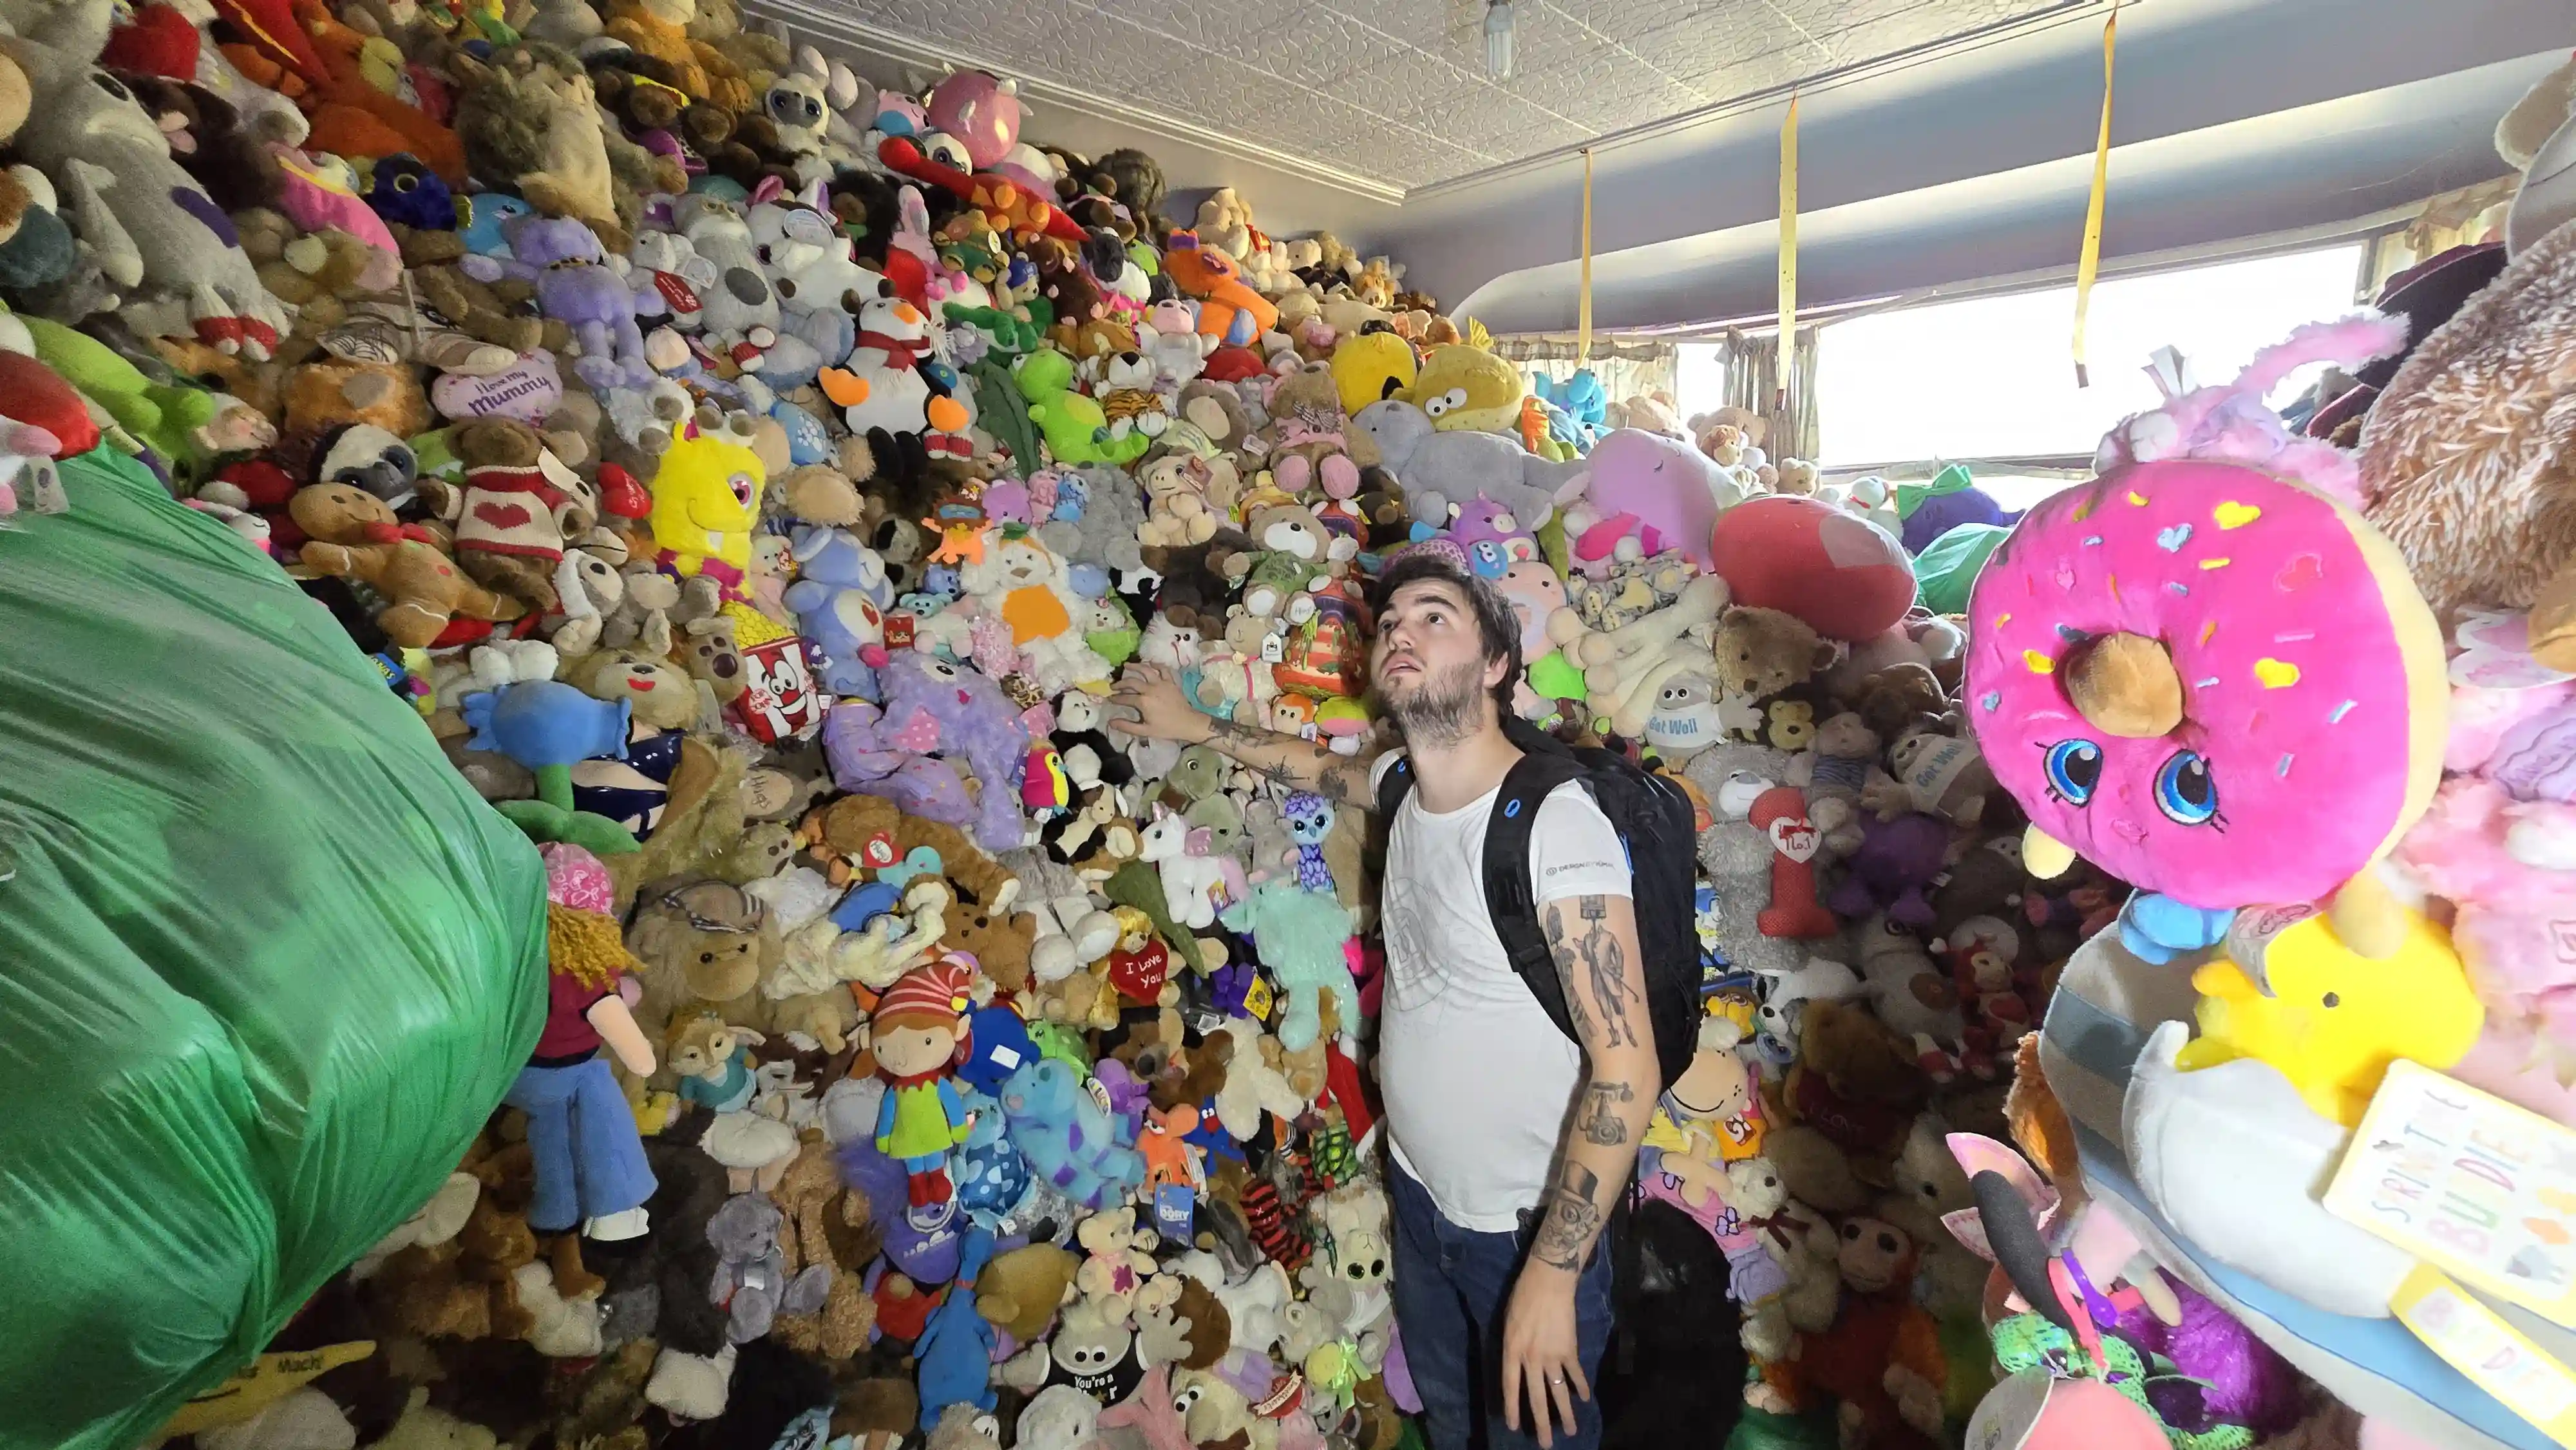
{"x": 2207, "y": 674}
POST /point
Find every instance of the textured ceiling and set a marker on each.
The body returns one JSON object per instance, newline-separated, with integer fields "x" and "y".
{"x": 1395, "y": 91}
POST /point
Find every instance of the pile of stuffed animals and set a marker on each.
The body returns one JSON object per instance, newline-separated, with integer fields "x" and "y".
{"x": 756, "y": 481}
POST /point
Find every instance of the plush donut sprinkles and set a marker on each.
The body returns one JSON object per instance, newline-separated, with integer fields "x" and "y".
{"x": 2309, "y": 673}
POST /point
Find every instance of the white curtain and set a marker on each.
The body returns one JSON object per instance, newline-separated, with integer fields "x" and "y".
{"x": 1626, "y": 367}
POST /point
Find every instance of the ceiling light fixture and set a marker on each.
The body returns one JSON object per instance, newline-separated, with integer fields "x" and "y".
{"x": 1498, "y": 39}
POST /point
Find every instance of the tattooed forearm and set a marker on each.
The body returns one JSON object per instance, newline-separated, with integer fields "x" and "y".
{"x": 1573, "y": 1219}
{"x": 1599, "y": 1119}
{"x": 1293, "y": 762}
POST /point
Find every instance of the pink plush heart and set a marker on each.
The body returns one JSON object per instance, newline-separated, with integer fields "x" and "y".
{"x": 919, "y": 734}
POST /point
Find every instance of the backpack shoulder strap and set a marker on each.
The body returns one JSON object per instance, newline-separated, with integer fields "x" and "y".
{"x": 1511, "y": 897}
{"x": 1393, "y": 787}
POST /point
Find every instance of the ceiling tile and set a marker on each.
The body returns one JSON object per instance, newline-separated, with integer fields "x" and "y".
{"x": 1238, "y": 32}
{"x": 1604, "y": 92}
{"x": 1395, "y": 89}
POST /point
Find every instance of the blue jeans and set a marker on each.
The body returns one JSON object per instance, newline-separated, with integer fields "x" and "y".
{"x": 589, "y": 1161}
{"x": 1452, "y": 1286}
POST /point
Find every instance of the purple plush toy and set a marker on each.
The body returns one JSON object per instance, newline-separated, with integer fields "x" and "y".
{"x": 1895, "y": 863}
{"x": 2226, "y": 1376}
{"x": 932, "y": 708}
{"x": 575, "y": 286}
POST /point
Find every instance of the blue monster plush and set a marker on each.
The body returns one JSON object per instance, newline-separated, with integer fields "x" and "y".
{"x": 548, "y": 726}
{"x": 955, "y": 1351}
{"x": 1070, "y": 1140}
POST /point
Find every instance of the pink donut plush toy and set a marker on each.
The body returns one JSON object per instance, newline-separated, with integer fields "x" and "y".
{"x": 2214, "y": 682}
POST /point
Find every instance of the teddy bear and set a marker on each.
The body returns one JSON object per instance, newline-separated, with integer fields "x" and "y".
{"x": 465, "y": 1288}
{"x": 1292, "y": 553}
{"x": 828, "y": 1227}
{"x": 1119, "y": 1262}
{"x": 1186, "y": 499}
{"x": 1939, "y": 774}
{"x": 1309, "y": 443}
{"x": 354, "y": 534}
{"x": 1855, "y": 1081}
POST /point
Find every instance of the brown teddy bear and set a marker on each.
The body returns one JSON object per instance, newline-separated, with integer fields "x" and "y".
{"x": 1019, "y": 1290}
{"x": 1762, "y": 652}
{"x": 703, "y": 942}
{"x": 465, "y": 1288}
{"x": 1856, "y": 1082}
{"x": 1000, "y": 940}
{"x": 513, "y": 514}
{"x": 827, "y": 1223}
{"x": 863, "y": 832}
{"x": 660, "y": 692}
{"x": 315, "y": 272}
{"x": 353, "y": 534}
{"x": 1901, "y": 699}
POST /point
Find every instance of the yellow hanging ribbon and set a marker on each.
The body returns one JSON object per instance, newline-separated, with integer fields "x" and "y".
{"x": 1788, "y": 251}
{"x": 2090, "y": 262}
{"x": 1583, "y": 299}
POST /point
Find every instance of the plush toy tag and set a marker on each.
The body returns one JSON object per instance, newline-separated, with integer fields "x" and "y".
{"x": 1175, "y": 1211}
{"x": 2251, "y": 933}
{"x": 1257, "y": 998}
{"x": 1100, "y": 1095}
{"x": 1794, "y": 838}
{"x": 1273, "y": 649}
{"x": 676, "y": 291}
{"x": 898, "y": 631}
{"x": 2471, "y": 1184}
{"x": 877, "y": 851}
{"x": 2495, "y": 1356}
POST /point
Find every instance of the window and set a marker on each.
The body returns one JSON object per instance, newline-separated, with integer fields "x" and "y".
{"x": 1993, "y": 377}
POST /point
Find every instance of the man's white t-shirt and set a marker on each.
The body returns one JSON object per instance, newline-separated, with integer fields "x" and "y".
{"x": 1478, "y": 1081}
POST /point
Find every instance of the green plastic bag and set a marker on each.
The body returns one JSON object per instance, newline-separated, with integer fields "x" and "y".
{"x": 266, "y": 961}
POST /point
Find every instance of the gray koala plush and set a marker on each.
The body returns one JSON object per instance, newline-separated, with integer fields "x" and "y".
{"x": 751, "y": 1277}
{"x": 1737, "y": 857}
{"x": 1111, "y": 517}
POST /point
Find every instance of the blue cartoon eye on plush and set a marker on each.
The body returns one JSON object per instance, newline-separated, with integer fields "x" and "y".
{"x": 2074, "y": 769}
{"x": 2184, "y": 791}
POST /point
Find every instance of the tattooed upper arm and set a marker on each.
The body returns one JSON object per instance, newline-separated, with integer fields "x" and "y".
{"x": 1594, "y": 941}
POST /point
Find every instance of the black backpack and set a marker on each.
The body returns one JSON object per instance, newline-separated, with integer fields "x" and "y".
{"x": 1654, "y": 821}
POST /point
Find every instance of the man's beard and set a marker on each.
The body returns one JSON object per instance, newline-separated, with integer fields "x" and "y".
{"x": 1440, "y": 710}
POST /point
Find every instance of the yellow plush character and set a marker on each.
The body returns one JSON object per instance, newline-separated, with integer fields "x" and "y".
{"x": 1372, "y": 367}
{"x": 2333, "y": 1019}
{"x": 706, "y": 496}
{"x": 1467, "y": 389}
